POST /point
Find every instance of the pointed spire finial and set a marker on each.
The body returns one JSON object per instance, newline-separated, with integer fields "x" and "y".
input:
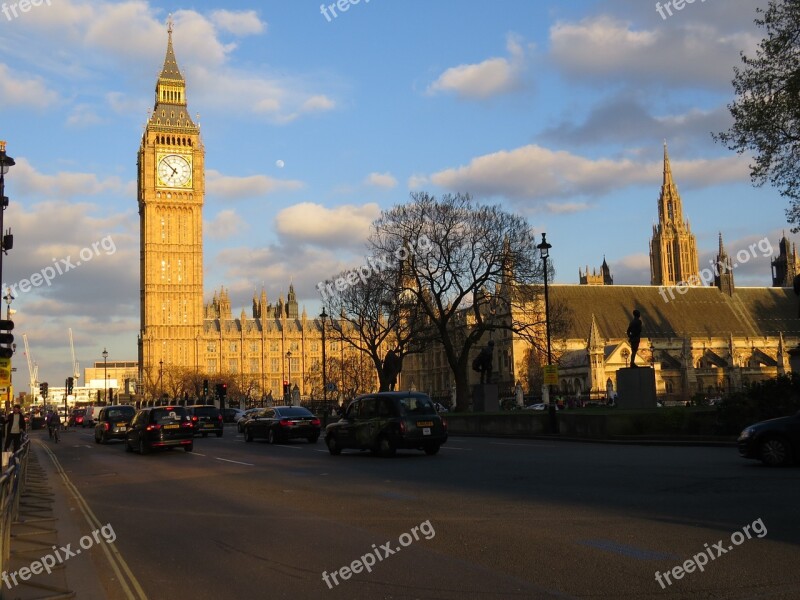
{"x": 170, "y": 23}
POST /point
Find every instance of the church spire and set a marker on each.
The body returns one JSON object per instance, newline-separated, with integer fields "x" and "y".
{"x": 170, "y": 70}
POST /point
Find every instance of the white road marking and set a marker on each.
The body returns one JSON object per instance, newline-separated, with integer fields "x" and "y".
{"x": 455, "y": 448}
{"x": 234, "y": 461}
{"x": 285, "y": 446}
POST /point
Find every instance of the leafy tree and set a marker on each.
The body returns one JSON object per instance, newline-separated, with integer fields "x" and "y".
{"x": 766, "y": 111}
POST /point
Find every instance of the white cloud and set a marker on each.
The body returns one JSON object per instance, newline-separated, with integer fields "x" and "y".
{"x": 383, "y": 180}
{"x": 234, "y": 188}
{"x": 536, "y": 173}
{"x": 83, "y": 115}
{"x": 605, "y": 48}
{"x": 245, "y": 22}
{"x": 316, "y": 224}
{"x": 226, "y": 224}
{"x": 18, "y": 90}
{"x": 28, "y": 181}
{"x": 492, "y": 77}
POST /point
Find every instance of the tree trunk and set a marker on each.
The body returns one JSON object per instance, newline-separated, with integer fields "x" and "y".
{"x": 463, "y": 393}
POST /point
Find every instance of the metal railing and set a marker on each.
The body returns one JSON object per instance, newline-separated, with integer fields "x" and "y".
{"x": 12, "y": 481}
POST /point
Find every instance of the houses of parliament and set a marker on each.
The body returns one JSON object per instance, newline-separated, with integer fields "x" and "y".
{"x": 705, "y": 339}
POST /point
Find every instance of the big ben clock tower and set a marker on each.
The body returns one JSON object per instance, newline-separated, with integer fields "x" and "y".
{"x": 171, "y": 187}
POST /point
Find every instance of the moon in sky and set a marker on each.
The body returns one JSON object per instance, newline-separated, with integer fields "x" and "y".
{"x": 280, "y": 164}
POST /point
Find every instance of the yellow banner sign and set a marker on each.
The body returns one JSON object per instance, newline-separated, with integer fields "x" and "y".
{"x": 551, "y": 375}
{"x": 5, "y": 371}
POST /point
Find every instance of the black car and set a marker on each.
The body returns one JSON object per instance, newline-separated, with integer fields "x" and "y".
{"x": 112, "y": 423}
{"x": 282, "y": 423}
{"x": 387, "y": 421}
{"x": 775, "y": 442}
{"x": 160, "y": 427}
{"x": 206, "y": 418}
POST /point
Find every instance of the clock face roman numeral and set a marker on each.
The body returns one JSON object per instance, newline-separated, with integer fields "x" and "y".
{"x": 174, "y": 171}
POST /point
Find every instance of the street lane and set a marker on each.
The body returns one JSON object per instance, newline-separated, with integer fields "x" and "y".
{"x": 512, "y": 518}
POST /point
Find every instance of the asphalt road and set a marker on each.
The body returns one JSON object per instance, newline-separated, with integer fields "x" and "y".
{"x": 495, "y": 519}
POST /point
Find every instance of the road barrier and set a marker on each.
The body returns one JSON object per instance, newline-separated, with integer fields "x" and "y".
{"x": 12, "y": 481}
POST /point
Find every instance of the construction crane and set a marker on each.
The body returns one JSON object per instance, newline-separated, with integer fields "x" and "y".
{"x": 33, "y": 368}
{"x": 76, "y": 372}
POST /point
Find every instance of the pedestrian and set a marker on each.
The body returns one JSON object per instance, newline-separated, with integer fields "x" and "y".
{"x": 14, "y": 428}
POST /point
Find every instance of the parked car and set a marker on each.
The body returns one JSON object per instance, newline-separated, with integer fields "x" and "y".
{"x": 246, "y": 415}
{"x": 206, "y": 419}
{"x": 77, "y": 418}
{"x": 282, "y": 423}
{"x": 387, "y": 421}
{"x": 775, "y": 442}
{"x": 160, "y": 427}
{"x": 231, "y": 415}
{"x": 112, "y": 423}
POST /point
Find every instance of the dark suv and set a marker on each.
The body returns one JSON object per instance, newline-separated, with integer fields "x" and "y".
{"x": 386, "y": 421}
{"x": 112, "y": 423}
{"x": 160, "y": 427}
{"x": 206, "y": 418}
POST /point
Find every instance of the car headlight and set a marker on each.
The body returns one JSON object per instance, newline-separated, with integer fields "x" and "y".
{"x": 746, "y": 433}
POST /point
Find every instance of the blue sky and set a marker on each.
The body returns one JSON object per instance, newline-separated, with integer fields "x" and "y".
{"x": 556, "y": 110}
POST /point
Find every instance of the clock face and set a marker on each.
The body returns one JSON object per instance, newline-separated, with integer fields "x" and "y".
{"x": 174, "y": 171}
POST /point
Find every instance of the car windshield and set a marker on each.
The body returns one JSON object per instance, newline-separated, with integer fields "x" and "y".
{"x": 294, "y": 411}
{"x": 206, "y": 411}
{"x": 415, "y": 405}
{"x": 169, "y": 414}
{"x": 120, "y": 413}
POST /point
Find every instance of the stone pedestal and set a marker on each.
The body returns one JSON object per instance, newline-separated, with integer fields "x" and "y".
{"x": 794, "y": 360}
{"x": 485, "y": 398}
{"x": 636, "y": 387}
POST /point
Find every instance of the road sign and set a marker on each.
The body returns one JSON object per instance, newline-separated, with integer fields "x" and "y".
{"x": 551, "y": 375}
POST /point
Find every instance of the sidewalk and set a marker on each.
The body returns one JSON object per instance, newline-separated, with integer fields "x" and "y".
{"x": 50, "y": 518}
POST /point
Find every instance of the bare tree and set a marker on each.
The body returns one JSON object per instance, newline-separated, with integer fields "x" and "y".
{"x": 375, "y": 317}
{"x": 471, "y": 269}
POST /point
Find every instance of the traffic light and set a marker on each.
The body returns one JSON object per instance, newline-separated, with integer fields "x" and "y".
{"x": 222, "y": 390}
{"x": 43, "y": 390}
{"x": 6, "y": 339}
{"x": 205, "y": 387}
{"x": 287, "y": 389}
{"x": 70, "y": 383}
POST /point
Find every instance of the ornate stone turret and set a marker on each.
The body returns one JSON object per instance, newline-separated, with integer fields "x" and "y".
{"x": 673, "y": 249}
{"x": 724, "y": 277}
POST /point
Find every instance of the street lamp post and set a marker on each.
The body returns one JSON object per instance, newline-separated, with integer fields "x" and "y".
{"x": 105, "y": 375}
{"x": 289, "y": 371}
{"x": 324, "y": 316}
{"x": 160, "y": 375}
{"x": 544, "y": 251}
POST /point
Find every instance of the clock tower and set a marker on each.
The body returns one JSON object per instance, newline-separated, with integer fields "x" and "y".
{"x": 171, "y": 188}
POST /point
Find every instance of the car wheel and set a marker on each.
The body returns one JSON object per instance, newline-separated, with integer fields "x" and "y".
{"x": 219, "y": 434}
{"x": 313, "y": 439}
{"x": 385, "y": 446}
{"x": 128, "y": 445}
{"x": 103, "y": 438}
{"x": 142, "y": 446}
{"x": 271, "y": 437}
{"x": 431, "y": 449}
{"x": 333, "y": 445}
{"x": 96, "y": 439}
{"x": 775, "y": 452}
{"x": 189, "y": 447}
{"x": 248, "y": 435}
